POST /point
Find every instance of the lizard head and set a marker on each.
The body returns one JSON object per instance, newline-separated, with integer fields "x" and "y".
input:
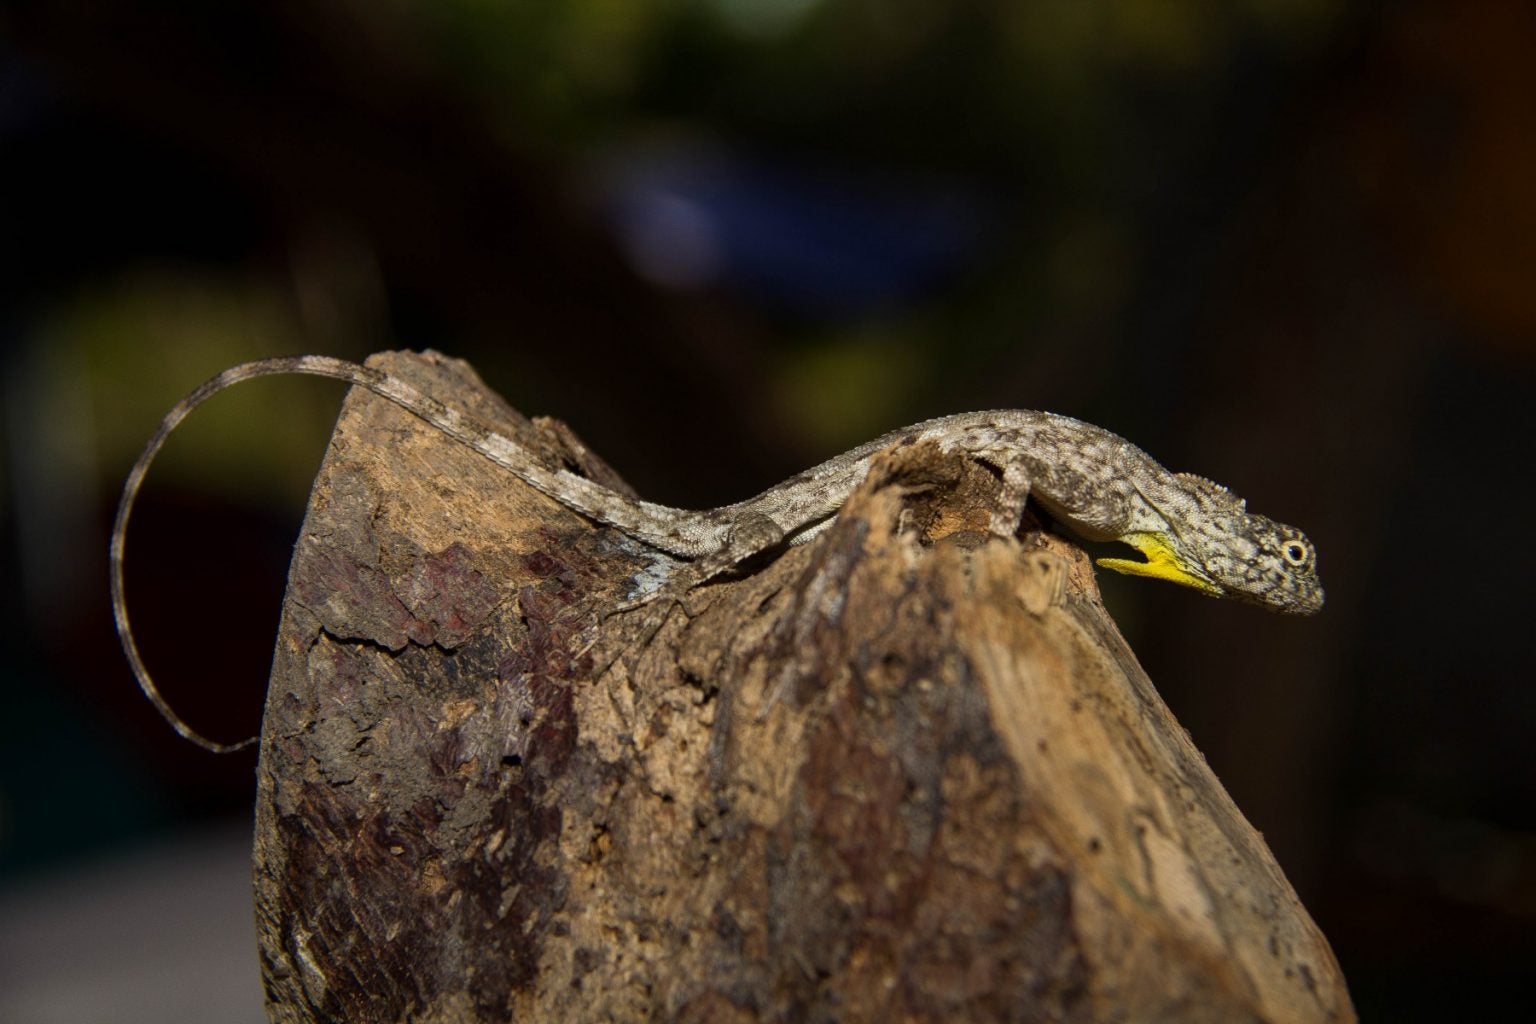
{"x": 1221, "y": 549}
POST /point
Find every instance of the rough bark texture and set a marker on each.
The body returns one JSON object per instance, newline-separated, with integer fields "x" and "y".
{"x": 905, "y": 773}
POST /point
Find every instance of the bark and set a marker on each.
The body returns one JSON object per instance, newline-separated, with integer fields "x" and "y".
{"x": 906, "y": 772}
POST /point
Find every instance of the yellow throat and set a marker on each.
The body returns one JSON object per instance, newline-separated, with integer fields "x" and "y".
{"x": 1162, "y": 563}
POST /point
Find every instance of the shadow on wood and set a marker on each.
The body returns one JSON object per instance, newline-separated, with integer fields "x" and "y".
{"x": 906, "y": 772}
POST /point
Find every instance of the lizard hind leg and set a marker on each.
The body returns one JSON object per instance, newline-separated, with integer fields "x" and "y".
{"x": 1009, "y": 511}
{"x": 753, "y": 534}
{"x": 749, "y": 536}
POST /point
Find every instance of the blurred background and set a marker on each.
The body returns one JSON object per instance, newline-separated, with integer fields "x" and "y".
{"x": 1287, "y": 245}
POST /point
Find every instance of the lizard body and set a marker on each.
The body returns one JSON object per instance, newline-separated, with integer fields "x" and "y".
{"x": 1190, "y": 530}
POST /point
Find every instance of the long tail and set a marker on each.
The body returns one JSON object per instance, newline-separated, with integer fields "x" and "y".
{"x": 656, "y": 525}
{"x": 319, "y": 366}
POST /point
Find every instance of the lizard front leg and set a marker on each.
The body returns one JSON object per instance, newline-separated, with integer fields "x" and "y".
{"x": 1011, "y": 499}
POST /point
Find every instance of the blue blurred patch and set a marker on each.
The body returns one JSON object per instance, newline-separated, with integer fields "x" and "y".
{"x": 806, "y": 241}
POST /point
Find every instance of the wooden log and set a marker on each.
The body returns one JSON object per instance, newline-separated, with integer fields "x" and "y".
{"x": 906, "y": 772}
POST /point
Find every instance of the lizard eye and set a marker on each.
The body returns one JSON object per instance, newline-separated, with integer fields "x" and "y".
{"x": 1296, "y": 552}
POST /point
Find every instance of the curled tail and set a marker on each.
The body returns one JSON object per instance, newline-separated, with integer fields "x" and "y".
{"x": 320, "y": 366}
{"x": 655, "y": 525}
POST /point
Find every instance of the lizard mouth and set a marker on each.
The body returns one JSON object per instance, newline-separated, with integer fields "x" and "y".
{"x": 1162, "y": 563}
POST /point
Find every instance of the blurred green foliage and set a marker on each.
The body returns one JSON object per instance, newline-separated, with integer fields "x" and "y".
{"x": 160, "y": 331}
{"x": 979, "y": 72}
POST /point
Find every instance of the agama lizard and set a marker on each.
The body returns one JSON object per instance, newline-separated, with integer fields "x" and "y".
{"x": 1190, "y": 531}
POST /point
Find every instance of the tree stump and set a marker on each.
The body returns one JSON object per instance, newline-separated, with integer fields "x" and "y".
{"x": 907, "y": 772}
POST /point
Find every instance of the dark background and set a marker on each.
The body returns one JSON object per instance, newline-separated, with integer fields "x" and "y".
{"x": 1289, "y": 246}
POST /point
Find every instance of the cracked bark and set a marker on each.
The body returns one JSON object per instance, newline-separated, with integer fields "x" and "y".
{"x": 905, "y": 772}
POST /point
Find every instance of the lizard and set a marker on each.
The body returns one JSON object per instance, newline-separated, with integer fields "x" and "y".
{"x": 1189, "y": 530}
